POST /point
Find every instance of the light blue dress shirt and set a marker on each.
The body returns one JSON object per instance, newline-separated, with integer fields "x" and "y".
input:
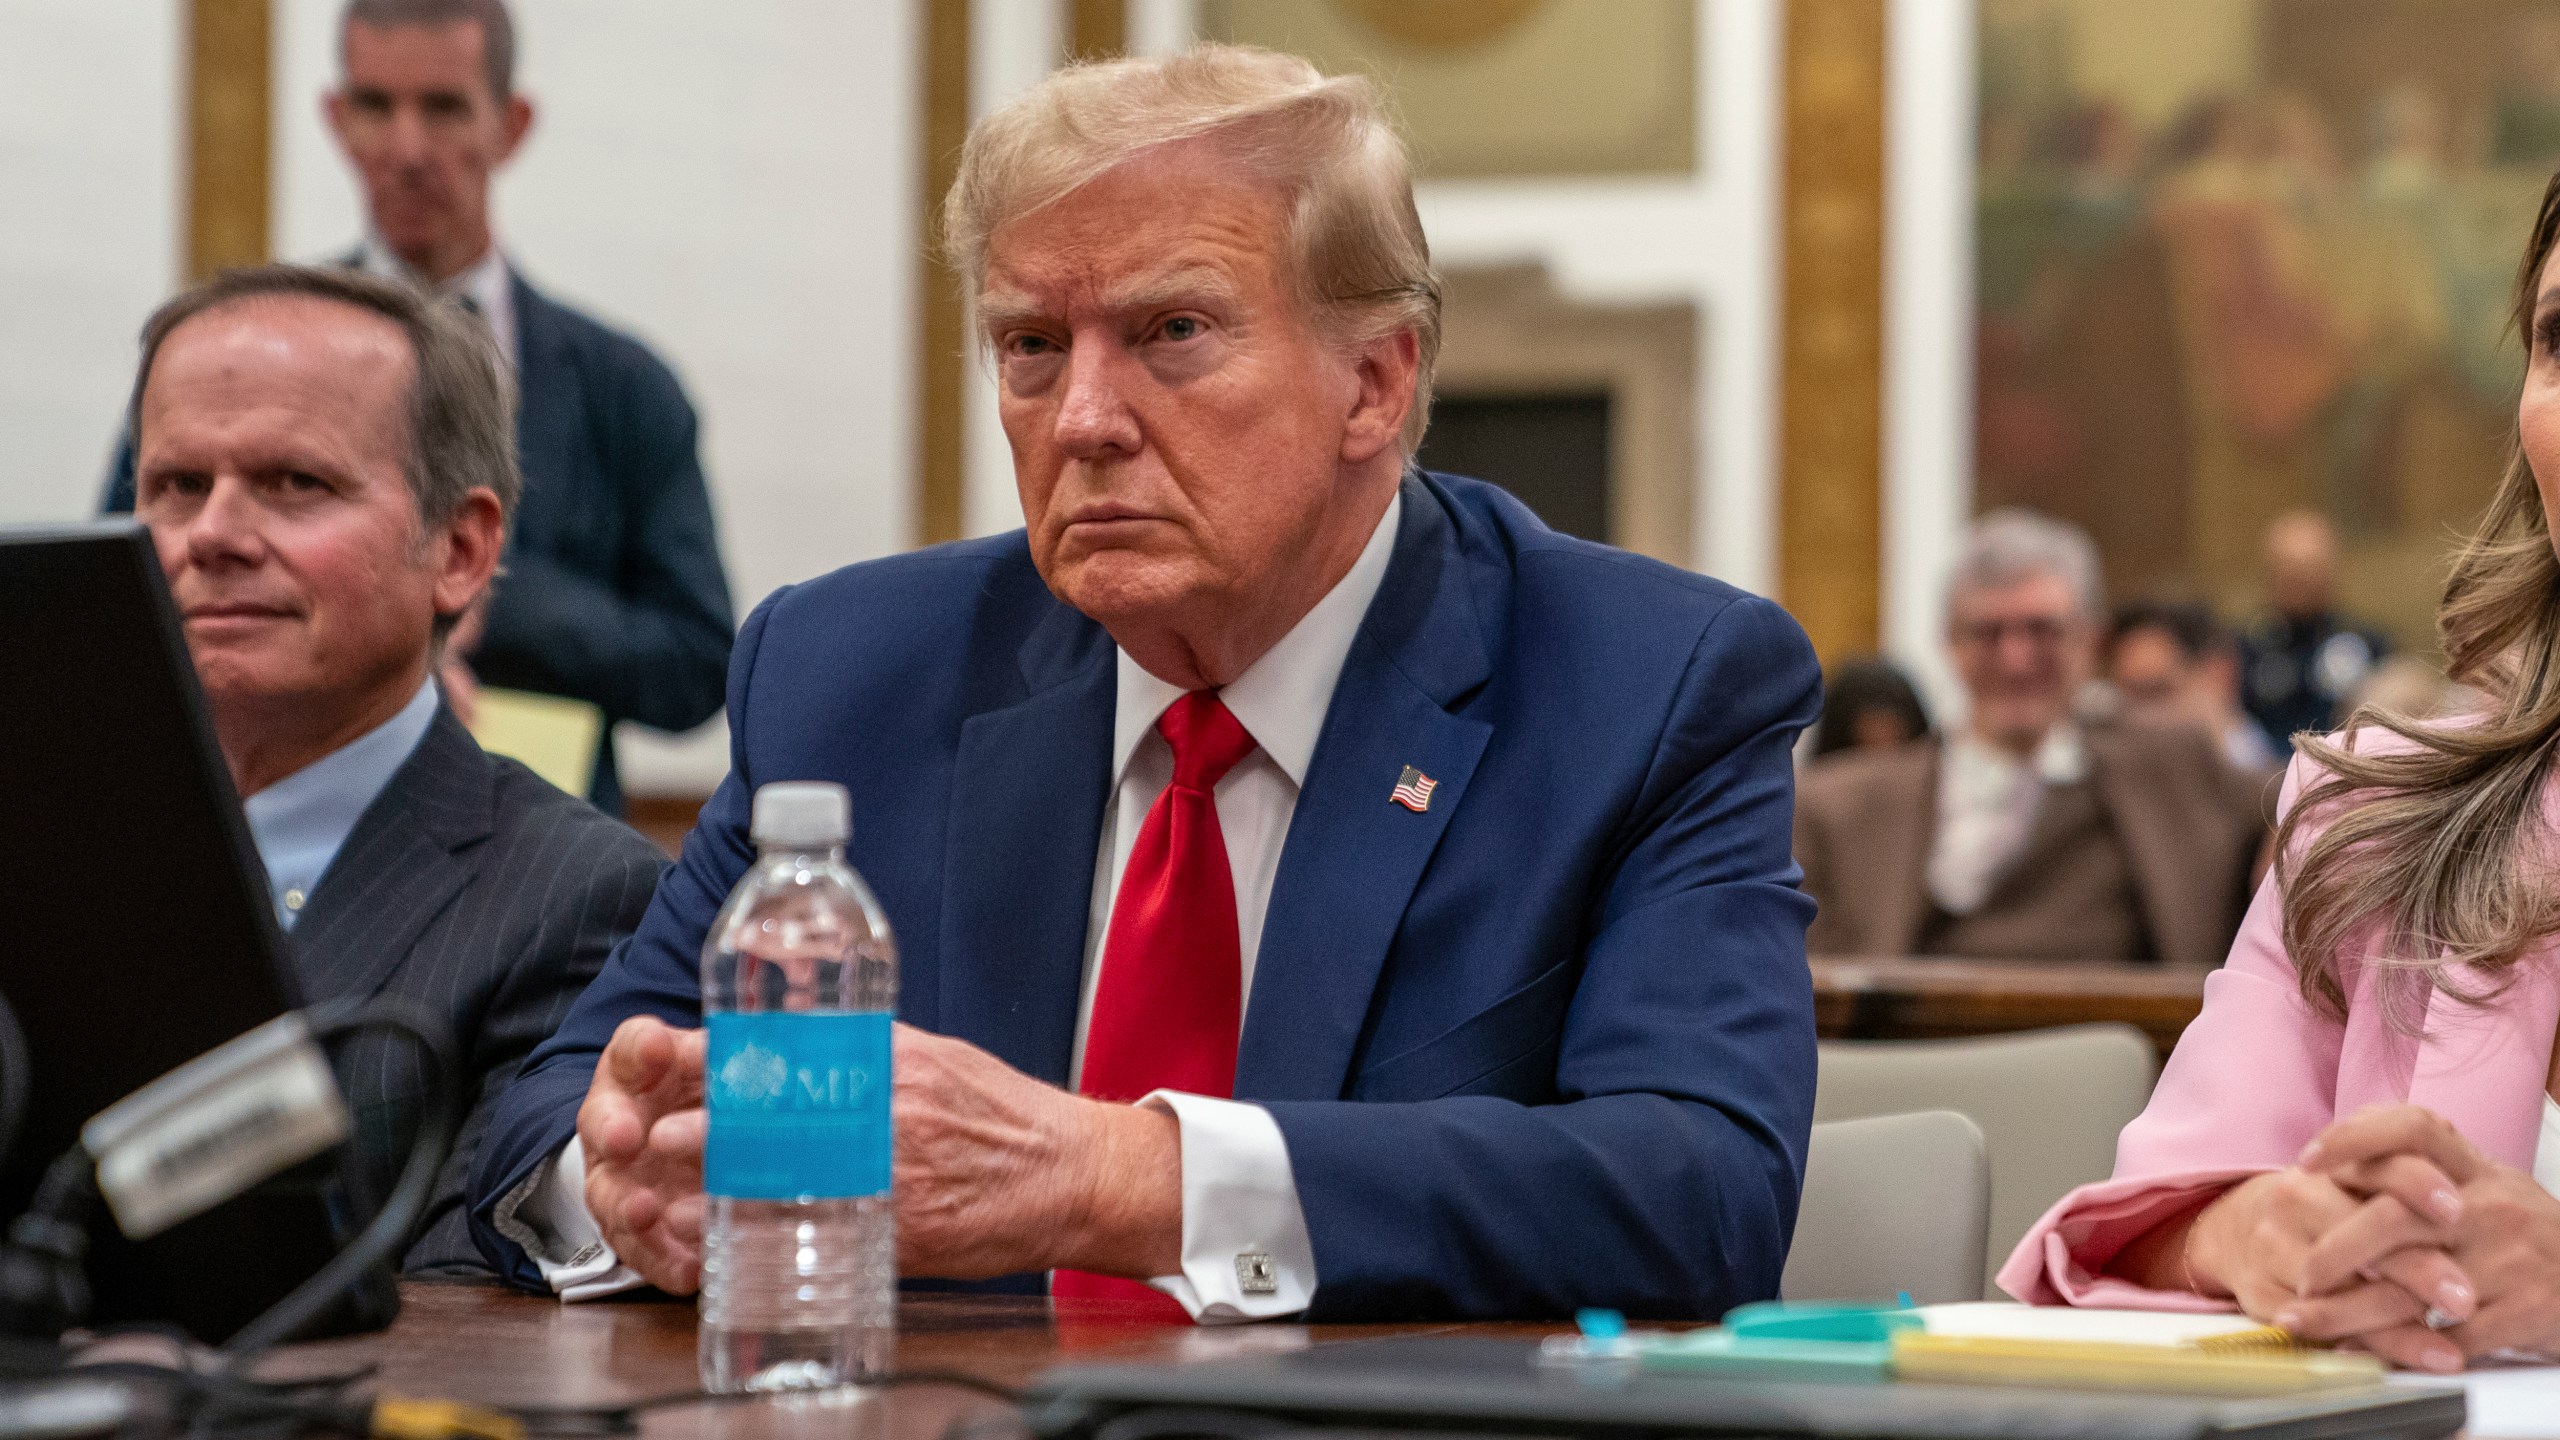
{"x": 299, "y": 822}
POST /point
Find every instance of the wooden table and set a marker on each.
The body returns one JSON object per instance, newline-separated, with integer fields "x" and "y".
{"x": 490, "y": 1346}
{"x": 1928, "y": 998}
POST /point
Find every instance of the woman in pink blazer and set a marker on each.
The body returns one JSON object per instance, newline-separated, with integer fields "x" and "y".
{"x": 2345, "y": 1142}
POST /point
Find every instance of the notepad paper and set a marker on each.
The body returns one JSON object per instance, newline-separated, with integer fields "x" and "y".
{"x": 2000, "y": 1320}
{"x": 554, "y": 738}
{"x": 2519, "y": 1402}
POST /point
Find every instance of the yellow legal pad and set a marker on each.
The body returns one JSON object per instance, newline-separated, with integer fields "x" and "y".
{"x": 2249, "y": 1363}
{"x": 554, "y": 738}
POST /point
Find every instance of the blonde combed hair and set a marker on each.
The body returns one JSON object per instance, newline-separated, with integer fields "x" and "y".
{"x": 2433, "y": 854}
{"x": 1358, "y": 255}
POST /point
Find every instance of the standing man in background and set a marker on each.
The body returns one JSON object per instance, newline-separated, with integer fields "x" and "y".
{"x": 611, "y": 590}
{"x": 2302, "y": 660}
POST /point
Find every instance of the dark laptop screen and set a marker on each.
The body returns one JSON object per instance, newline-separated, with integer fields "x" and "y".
{"x": 136, "y": 930}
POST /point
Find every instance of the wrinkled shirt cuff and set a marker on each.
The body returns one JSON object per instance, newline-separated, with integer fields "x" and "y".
{"x": 547, "y": 1214}
{"x": 1245, "y": 1251}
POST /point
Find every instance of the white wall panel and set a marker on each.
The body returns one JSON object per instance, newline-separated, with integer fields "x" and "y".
{"x": 89, "y": 224}
{"x": 1928, "y": 331}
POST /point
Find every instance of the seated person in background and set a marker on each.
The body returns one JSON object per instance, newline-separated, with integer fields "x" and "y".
{"x": 325, "y": 468}
{"x": 1505, "y": 1010}
{"x": 2025, "y": 834}
{"x": 2357, "y": 1139}
{"x": 1868, "y": 704}
{"x": 2172, "y": 663}
{"x": 2302, "y": 660}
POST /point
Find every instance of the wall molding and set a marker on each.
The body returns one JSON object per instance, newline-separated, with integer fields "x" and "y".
{"x": 942, "y": 340}
{"x": 1097, "y": 29}
{"x": 230, "y": 85}
{"x": 1830, "y": 502}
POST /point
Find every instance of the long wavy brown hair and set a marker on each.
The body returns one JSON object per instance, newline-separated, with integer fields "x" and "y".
{"x": 2423, "y": 857}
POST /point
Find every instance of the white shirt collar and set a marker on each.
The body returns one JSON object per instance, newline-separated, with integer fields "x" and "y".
{"x": 300, "y": 822}
{"x": 1280, "y": 699}
{"x": 2061, "y": 758}
{"x": 485, "y": 280}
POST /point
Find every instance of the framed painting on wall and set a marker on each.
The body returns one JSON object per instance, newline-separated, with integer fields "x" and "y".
{"x": 2240, "y": 257}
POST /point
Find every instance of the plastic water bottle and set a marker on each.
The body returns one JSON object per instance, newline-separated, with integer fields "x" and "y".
{"x": 799, "y": 981}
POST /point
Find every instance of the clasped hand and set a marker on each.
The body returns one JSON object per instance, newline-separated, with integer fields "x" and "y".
{"x": 994, "y": 1172}
{"x": 2394, "y": 1232}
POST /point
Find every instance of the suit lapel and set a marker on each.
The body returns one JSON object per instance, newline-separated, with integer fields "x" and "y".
{"x": 539, "y": 369}
{"x": 2160, "y": 847}
{"x": 2061, "y": 809}
{"x": 1027, "y": 798}
{"x": 1906, "y": 829}
{"x": 399, "y": 868}
{"x": 1353, "y": 855}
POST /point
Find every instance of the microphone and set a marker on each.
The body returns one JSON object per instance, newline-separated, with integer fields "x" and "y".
{"x": 214, "y": 1128}
{"x": 231, "y": 1118}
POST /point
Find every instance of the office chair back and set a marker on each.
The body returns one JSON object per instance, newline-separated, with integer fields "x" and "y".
{"x": 1893, "y": 1204}
{"x": 2049, "y": 1102}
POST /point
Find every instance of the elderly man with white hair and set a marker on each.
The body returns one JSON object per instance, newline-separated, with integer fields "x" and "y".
{"x": 1321, "y": 889}
{"x": 2030, "y": 833}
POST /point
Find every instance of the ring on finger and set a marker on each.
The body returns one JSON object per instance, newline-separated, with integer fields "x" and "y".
{"x": 2438, "y": 1319}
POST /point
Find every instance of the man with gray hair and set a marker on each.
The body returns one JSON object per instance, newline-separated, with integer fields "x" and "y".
{"x": 2030, "y": 832}
{"x": 325, "y": 467}
{"x": 1320, "y": 888}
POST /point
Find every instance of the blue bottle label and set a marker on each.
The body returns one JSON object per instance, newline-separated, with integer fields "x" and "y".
{"x": 799, "y": 1105}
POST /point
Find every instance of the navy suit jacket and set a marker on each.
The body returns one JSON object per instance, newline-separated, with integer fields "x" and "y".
{"x": 612, "y": 591}
{"x": 1547, "y": 1044}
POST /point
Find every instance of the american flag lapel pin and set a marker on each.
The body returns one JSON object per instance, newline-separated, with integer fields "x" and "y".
{"x": 1413, "y": 790}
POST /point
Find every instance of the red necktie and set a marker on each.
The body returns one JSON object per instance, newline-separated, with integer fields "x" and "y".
{"x": 1171, "y": 997}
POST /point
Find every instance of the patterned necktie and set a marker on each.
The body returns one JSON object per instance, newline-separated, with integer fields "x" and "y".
{"x": 1171, "y": 997}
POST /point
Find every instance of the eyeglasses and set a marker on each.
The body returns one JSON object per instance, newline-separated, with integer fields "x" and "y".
{"x": 2045, "y": 632}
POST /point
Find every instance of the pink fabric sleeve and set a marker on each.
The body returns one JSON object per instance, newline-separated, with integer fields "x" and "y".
{"x": 2252, "y": 1080}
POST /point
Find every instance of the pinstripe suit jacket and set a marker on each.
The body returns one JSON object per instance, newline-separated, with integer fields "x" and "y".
{"x": 475, "y": 889}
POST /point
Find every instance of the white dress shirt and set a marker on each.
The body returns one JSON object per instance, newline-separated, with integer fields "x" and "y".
{"x": 1239, "y": 1196}
{"x": 484, "y": 282}
{"x": 301, "y": 822}
{"x": 1987, "y": 801}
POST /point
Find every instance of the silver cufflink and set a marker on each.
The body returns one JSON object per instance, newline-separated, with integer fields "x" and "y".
{"x": 1255, "y": 1274}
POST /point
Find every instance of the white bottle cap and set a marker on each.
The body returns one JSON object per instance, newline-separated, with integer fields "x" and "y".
{"x": 811, "y": 814}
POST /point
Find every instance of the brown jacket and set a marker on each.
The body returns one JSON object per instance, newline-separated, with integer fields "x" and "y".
{"x": 2190, "y": 827}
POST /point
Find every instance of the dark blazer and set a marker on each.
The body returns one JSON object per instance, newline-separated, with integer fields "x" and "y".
{"x": 476, "y": 890}
{"x": 1547, "y": 1044}
{"x": 2190, "y": 824}
{"x": 612, "y": 590}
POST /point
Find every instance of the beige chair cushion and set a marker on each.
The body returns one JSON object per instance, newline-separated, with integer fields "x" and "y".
{"x": 1893, "y": 1204}
{"x": 2049, "y": 1102}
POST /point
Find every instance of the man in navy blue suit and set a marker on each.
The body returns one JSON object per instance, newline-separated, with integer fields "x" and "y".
{"x": 1322, "y": 890}
{"x": 612, "y": 590}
